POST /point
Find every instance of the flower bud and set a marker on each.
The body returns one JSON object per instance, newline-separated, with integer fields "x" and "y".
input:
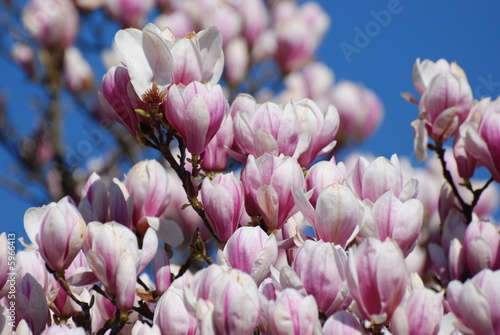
{"x": 222, "y": 199}
{"x": 292, "y": 313}
{"x": 251, "y": 250}
{"x": 268, "y": 182}
{"x": 376, "y": 277}
{"x": 54, "y": 23}
{"x": 321, "y": 266}
{"x": 62, "y": 234}
{"x": 196, "y": 112}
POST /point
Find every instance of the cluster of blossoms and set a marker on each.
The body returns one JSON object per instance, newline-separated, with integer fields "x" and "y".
{"x": 302, "y": 244}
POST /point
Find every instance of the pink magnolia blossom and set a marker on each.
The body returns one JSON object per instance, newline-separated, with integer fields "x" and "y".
{"x": 54, "y": 23}
{"x": 481, "y": 245}
{"x": 360, "y": 110}
{"x": 268, "y": 182}
{"x": 30, "y": 262}
{"x": 424, "y": 71}
{"x": 481, "y": 141}
{"x": 401, "y": 221}
{"x": 376, "y": 277}
{"x": 215, "y": 156}
{"x": 114, "y": 259}
{"x": 222, "y": 15}
{"x": 120, "y": 101}
{"x": 318, "y": 129}
{"x": 61, "y": 236}
{"x": 147, "y": 182}
{"x": 323, "y": 174}
{"x": 267, "y": 128}
{"x": 251, "y": 250}
{"x": 171, "y": 315}
{"x": 321, "y": 266}
{"x": 197, "y": 57}
{"x": 343, "y": 323}
{"x": 31, "y": 304}
{"x": 298, "y": 129}
{"x": 178, "y": 21}
{"x": 161, "y": 270}
{"x": 338, "y": 216}
{"x": 297, "y": 32}
{"x": 225, "y": 301}
{"x": 255, "y": 17}
{"x": 421, "y": 314}
{"x": 445, "y": 104}
{"x": 130, "y": 13}
{"x": 292, "y": 313}
{"x": 223, "y": 201}
{"x": 197, "y": 113}
{"x": 475, "y": 302}
{"x": 102, "y": 203}
{"x": 147, "y": 57}
{"x": 369, "y": 180}
{"x": 313, "y": 81}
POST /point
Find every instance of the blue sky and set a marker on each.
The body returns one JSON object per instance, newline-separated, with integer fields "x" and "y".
{"x": 463, "y": 31}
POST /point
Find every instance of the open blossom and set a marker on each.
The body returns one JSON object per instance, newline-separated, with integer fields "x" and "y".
{"x": 156, "y": 56}
{"x": 197, "y": 112}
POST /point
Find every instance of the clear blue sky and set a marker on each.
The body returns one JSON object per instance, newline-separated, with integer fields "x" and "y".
{"x": 463, "y": 31}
